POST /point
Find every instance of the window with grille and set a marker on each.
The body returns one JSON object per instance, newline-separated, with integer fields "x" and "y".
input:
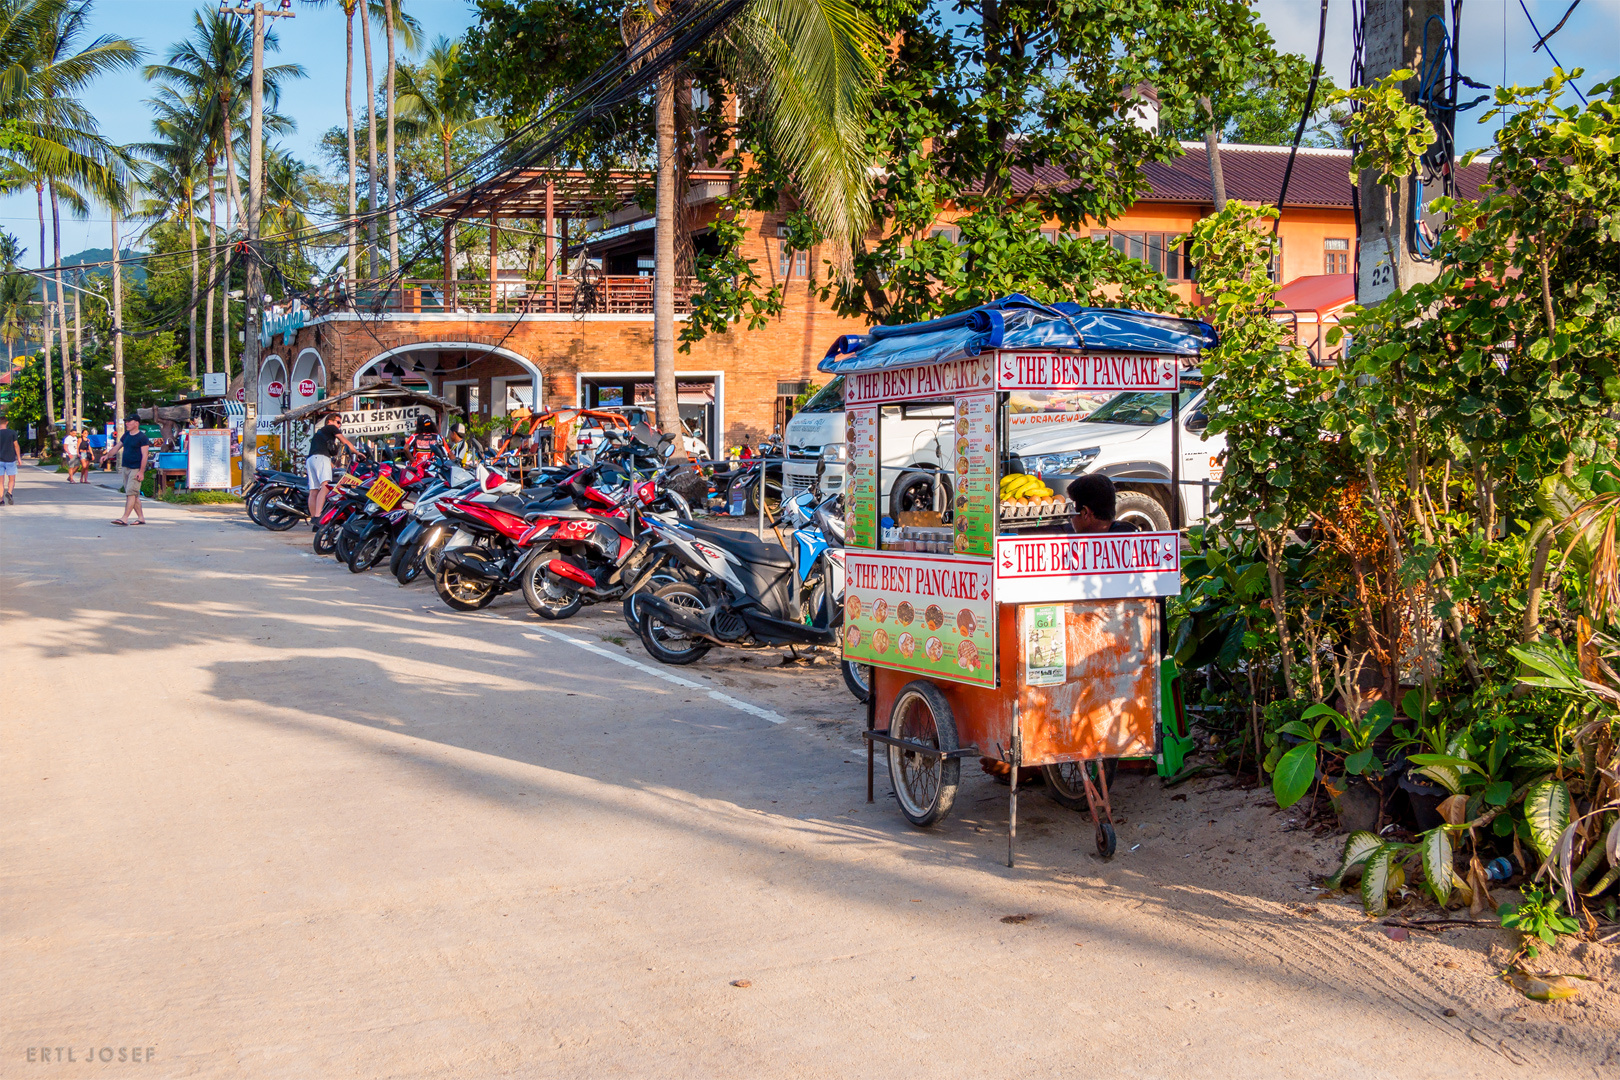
{"x": 1167, "y": 253}
{"x": 1335, "y": 256}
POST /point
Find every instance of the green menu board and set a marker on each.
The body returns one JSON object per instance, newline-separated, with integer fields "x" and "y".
{"x": 975, "y": 474}
{"x": 861, "y": 483}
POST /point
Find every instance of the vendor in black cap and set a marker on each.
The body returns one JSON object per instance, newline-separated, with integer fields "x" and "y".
{"x": 1093, "y": 499}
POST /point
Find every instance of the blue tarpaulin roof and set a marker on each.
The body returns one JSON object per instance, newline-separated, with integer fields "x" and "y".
{"x": 1017, "y": 322}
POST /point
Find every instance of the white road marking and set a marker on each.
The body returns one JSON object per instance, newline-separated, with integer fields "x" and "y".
{"x": 628, "y": 661}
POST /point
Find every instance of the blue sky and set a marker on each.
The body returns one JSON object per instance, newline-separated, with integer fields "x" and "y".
{"x": 1591, "y": 39}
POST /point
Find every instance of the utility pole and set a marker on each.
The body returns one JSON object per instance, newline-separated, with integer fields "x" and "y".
{"x": 117, "y": 330}
{"x": 253, "y": 288}
{"x": 1392, "y": 39}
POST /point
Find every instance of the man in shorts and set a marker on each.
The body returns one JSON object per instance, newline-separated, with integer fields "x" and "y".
{"x": 8, "y": 462}
{"x": 135, "y": 449}
{"x": 318, "y": 465}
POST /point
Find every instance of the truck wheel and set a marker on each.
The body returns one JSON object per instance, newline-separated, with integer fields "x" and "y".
{"x": 915, "y": 491}
{"x": 1143, "y": 511}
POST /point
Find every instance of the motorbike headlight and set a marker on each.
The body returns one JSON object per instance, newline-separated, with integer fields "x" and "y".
{"x": 834, "y": 453}
{"x": 1067, "y": 462}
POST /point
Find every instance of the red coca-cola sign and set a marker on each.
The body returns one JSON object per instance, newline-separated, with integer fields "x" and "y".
{"x": 306, "y": 388}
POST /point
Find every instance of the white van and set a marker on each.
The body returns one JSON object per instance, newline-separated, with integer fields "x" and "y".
{"x": 1127, "y": 438}
{"x": 917, "y": 441}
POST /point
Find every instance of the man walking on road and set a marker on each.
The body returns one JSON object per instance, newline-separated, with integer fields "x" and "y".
{"x": 137, "y": 448}
{"x": 8, "y": 462}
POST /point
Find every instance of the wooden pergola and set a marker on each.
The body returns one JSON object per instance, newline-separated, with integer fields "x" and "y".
{"x": 549, "y": 195}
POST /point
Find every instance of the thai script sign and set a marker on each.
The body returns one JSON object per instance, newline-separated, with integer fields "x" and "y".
{"x": 364, "y": 423}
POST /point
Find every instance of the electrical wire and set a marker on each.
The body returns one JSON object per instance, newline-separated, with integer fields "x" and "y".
{"x": 1542, "y": 41}
{"x": 1304, "y": 117}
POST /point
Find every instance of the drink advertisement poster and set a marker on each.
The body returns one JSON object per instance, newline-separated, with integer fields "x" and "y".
{"x": 929, "y": 614}
{"x": 861, "y": 484}
{"x": 1046, "y": 646}
{"x": 975, "y": 507}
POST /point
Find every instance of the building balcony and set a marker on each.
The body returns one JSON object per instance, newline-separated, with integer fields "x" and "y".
{"x": 597, "y": 295}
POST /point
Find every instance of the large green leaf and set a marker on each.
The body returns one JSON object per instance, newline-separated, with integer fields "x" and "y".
{"x": 1461, "y": 764}
{"x": 1375, "y": 880}
{"x": 1295, "y": 774}
{"x": 1438, "y": 872}
{"x": 1447, "y": 776}
{"x": 1546, "y": 810}
{"x": 1358, "y": 848}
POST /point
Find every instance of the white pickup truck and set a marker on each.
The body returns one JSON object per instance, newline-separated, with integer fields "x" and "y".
{"x": 915, "y": 456}
{"x": 1127, "y": 438}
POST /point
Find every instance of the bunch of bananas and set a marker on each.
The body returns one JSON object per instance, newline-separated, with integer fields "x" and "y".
{"x": 1017, "y": 486}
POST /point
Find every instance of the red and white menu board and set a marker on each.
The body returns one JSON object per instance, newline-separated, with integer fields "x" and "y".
{"x": 929, "y": 614}
{"x": 861, "y": 487}
{"x": 1087, "y": 566}
{"x": 1025, "y": 370}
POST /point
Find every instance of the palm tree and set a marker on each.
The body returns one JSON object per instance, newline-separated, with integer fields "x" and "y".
{"x": 213, "y": 69}
{"x": 58, "y": 147}
{"x": 289, "y": 187}
{"x": 810, "y": 67}
{"x": 176, "y": 159}
{"x": 432, "y": 100}
{"x": 16, "y": 296}
{"x": 396, "y": 22}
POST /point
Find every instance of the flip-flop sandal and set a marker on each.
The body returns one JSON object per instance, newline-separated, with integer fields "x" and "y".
{"x": 116, "y": 522}
{"x": 137, "y": 523}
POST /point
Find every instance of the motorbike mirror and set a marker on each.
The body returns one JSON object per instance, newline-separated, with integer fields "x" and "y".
{"x": 666, "y": 448}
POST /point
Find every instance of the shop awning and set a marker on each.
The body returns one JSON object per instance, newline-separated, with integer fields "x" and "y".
{"x": 1017, "y": 322}
{"x": 385, "y": 393}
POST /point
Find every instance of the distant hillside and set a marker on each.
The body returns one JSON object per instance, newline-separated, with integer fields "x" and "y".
{"x": 134, "y": 272}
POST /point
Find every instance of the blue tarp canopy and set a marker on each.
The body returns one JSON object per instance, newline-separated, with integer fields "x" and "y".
{"x": 1017, "y": 322}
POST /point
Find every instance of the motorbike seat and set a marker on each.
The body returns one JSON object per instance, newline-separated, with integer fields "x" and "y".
{"x": 747, "y": 548}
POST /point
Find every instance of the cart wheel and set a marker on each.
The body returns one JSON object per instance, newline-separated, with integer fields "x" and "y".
{"x": 924, "y": 786}
{"x": 1063, "y": 781}
{"x": 1105, "y": 840}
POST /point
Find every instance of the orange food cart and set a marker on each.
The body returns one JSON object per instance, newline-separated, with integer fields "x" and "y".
{"x": 993, "y": 630}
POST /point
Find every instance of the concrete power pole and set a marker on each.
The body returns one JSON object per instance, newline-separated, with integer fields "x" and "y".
{"x": 253, "y": 288}
{"x": 117, "y": 331}
{"x": 1392, "y": 40}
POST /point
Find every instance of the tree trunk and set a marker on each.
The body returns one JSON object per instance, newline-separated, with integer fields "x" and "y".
{"x": 213, "y": 273}
{"x": 665, "y": 211}
{"x": 1212, "y": 149}
{"x": 371, "y": 145}
{"x": 253, "y": 290}
{"x": 63, "y": 351}
{"x": 449, "y": 233}
{"x": 48, "y": 421}
{"x": 348, "y": 110}
{"x": 388, "y": 92}
{"x": 191, "y": 225}
{"x": 117, "y": 325}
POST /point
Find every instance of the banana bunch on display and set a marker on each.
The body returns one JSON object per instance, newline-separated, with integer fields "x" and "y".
{"x": 1025, "y": 496}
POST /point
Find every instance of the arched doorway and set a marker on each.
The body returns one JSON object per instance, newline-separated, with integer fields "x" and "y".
{"x": 272, "y": 385}
{"x": 308, "y": 374}
{"x": 483, "y": 380}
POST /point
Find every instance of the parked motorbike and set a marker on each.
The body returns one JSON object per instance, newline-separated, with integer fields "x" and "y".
{"x": 818, "y": 560}
{"x": 478, "y": 561}
{"x": 747, "y": 478}
{"x": 276, "y": 500}
{"x": 746, "y": 593}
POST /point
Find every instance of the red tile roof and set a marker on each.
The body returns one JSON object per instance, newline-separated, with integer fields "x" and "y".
{"x": 1317, "y": 292}
{"x": 1321, "y": 178}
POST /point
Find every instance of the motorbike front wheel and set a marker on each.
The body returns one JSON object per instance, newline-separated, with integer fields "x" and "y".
{"x": 546, "y": 598}
{"x": 858, "y": 680}
{"x": 326, "y": 537}
{"x": 368, "y": 551}
{"x": 671, "y": 644}
{"x": 463, "y": 592}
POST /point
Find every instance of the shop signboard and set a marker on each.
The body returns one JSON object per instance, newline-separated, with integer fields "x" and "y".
{"x": 975, "y": 509}
{"x": 1087, "y": 371}
{"x": 366, "y": 423}
{"x": 214, "y": 383}
{"x": 208, "y": 459}
{"x": 1087, "y": 566}
{"x": 934, "y": 382}
{"x": 306, "y": 388}
{"x": 929, "y": 614}
{"x": 276, "y": 390}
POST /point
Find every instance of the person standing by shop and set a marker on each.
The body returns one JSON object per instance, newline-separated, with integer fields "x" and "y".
{"x": 8, "y": 462}
{"x": 135, "y": 449}
{"x": 318, "y": 464}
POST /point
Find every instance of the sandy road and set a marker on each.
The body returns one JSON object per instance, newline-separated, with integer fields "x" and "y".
{"x": 269, "y": 819}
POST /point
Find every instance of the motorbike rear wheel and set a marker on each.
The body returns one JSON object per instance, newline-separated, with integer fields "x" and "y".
{"x": 273, "y": 517}
{"x": 669, "y": 644}
{"x": 545, "y": 597}
{"x": 858, "y": 680}
{"x": 462, "y": 592}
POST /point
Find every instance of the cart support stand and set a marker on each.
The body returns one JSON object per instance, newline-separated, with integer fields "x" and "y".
{"x": 1012, "y": 802}
{"x": 871, "y": 724}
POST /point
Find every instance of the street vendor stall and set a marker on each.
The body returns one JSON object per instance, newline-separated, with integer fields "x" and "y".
{"x": 993, "y": 630}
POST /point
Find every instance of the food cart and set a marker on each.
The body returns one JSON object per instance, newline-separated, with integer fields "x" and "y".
{"x": 992, "y": 630}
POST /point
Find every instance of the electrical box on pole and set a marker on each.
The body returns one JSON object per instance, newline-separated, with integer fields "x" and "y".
{"x": 1396, "y": 34}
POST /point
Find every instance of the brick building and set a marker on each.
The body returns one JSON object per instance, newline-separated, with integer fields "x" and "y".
{"x": 575, "y": 327}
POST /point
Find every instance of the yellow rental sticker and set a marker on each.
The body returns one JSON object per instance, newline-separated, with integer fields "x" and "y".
{"x": 385, "y": 493}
